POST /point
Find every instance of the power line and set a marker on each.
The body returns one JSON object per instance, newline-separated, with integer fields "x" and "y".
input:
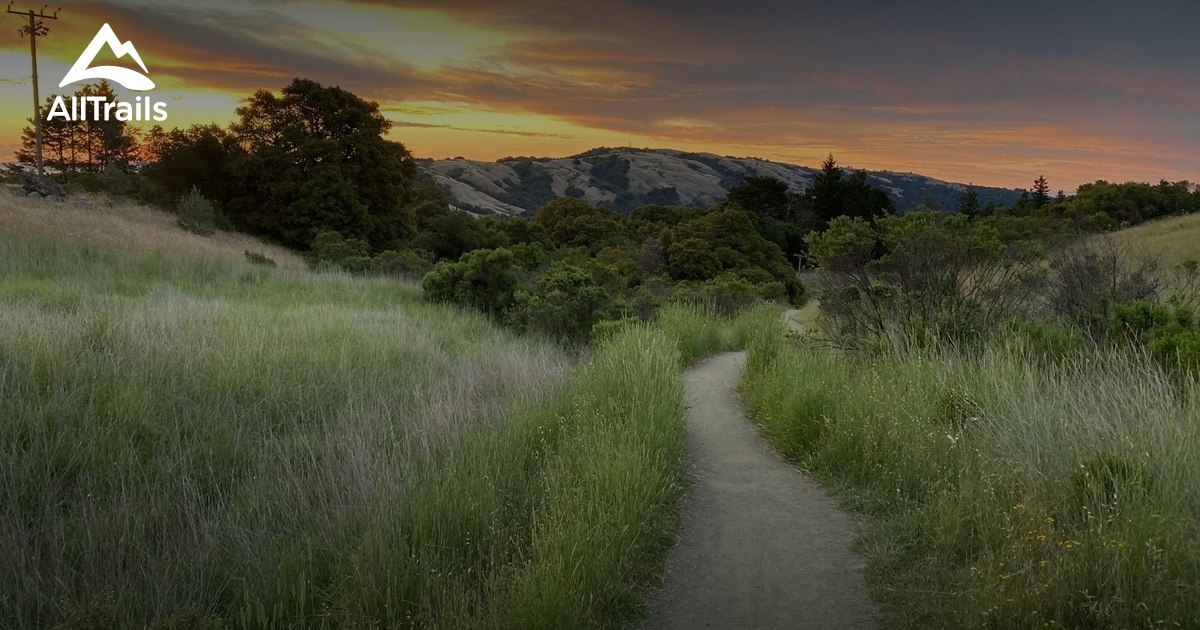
{"x": 36, "y": 28}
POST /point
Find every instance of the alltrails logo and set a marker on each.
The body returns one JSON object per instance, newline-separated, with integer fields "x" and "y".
{"x": 142, "y": 109}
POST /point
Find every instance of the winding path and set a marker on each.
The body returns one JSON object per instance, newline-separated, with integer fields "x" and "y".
{"x": 761, "y": 546}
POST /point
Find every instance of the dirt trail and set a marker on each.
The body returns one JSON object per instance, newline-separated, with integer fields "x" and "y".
{"x": 761, "y": 546}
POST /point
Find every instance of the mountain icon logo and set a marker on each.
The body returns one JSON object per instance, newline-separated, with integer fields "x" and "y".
{"x": 131, "y": 79}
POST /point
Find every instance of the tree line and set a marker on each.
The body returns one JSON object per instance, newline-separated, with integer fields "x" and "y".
{"x": 312, "y": 168}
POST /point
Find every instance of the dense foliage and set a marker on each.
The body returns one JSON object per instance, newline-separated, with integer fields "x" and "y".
{"x": 312, "y": 168}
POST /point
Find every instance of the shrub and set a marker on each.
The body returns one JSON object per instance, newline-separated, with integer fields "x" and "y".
{"x": 729, "y": 293}
{"x": 1050, "y": 340}
{"x": 921, "y": 275}
{"x": 406, "y": 263}
{"x": 1179, "y": 349}
{"x": 1088, "y": 281}
{"x": 483, "y": 279}
{"x": 256, "y": 258}
{"x": 196, "y": 214}
{"x": 1171, "y": 334}
{"x": 563, "y": 305}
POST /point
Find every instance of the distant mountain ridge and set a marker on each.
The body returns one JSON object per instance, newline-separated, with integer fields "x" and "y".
{"x": 624, "y": 179}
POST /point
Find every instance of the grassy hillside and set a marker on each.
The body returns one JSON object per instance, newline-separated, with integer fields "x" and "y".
{"x": 1174, "y": 240}
{"x": 190, "y": 440}
{"x": 88, "y": 220}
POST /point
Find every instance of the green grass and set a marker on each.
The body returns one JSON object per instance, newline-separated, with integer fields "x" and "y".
{"x": 699, "y": 333}
{"x": 190, "y": 441}
{"x": 1001, "y": 491}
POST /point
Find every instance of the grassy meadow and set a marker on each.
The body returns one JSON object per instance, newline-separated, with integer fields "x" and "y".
{"x": 1172, "y": 241}
{"x": 193, "y": 441}
{"x": 1001, "y": 490}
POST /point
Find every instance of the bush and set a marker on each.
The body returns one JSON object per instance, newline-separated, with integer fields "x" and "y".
{"x": 1171, "y": 334}
{"x": 1179, "y": 349}
{"x": 406, "y": 263}
{"x": 196, "y": 214}
{"x": 563, "y": 305}
{"x": 256, "y": 258}
{"x": 1050, "y": 340}
{"x": 483, "y": 279}
{"x": 729, "y": 294}
{"x": 918, "y": 276}
{"x": 1088, "y": 281}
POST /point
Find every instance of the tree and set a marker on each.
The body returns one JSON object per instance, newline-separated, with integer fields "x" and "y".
{"x": 574, "y": 223}
{"x": 863, "y": 200}
{"x": 316, "y": 160}
{"x": 1041, "y": 192}
{"x": 197, "y": 157}
{"x": 764, "y": 196}
{"x": 84, "y": 144}
{"x": 833, "y": 195}
{"x": 968, "y": 203}
{"x": 825, "y": 194}
{"x": 726, "y": 239}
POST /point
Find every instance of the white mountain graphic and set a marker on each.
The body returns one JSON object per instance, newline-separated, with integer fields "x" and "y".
{"x": 126, "y": 77}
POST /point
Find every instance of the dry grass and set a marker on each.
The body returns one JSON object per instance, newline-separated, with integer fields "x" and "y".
{"x": 97, "y": 220}
{"x": 1172, "y": 240}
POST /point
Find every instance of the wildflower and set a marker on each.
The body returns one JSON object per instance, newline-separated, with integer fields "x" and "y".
{"x": 1019, "y": 506}
{"x": 1043, "y": 563}
{"x": 1049, "y": 520}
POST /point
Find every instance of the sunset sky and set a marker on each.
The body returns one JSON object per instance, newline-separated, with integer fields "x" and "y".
{"x": 992, "y": 93}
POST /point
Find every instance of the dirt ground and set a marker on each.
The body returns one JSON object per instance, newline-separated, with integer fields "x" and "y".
{"x": 761, "y": 546}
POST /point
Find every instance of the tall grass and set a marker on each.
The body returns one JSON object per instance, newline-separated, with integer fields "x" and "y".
{"x": 699, "y": 332}
{"x": 1002, "y": 491}
{"x": 190, "y": 441}
{"x": 96, "y": 220}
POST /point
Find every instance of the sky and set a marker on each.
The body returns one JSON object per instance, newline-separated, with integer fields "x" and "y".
{"x": 991, "y": 93}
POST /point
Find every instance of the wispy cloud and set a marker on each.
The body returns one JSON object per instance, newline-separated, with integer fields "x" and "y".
{"x": 510, "y": 132}
{"x": 991, "y": 93}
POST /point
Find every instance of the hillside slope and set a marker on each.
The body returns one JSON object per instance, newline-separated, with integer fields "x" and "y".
{"x": 1172, "y": 240}
{"x": 97, "y": 221}
{"x": 625, "y": 179}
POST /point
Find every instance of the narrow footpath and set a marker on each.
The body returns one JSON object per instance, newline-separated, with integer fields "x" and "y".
{"x": 761, "y": 546}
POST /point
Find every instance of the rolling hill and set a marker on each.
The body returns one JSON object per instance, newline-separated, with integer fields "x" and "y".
{"x": 624, "y": 179}
{"x": 1172, "y": 240}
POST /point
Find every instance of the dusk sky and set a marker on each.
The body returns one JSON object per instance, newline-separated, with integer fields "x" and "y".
{"x": 993, "y": 93}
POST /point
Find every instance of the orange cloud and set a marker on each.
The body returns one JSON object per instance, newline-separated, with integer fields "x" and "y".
{"x": 966, "y": 95}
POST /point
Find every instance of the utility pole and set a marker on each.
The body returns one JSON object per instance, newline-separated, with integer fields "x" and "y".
{"x": 34, "y": 30}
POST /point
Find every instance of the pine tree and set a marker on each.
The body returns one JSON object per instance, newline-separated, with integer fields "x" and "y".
{"x": 81, "y": 144}
{"x": 1041, "y": 192}
{"x": 968, "y": 203}
{"x": 826, "y": 192}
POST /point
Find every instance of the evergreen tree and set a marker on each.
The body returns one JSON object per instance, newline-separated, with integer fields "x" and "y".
{"x": 825, "y": 194}
{"x": 832, "y": 195}
{"x": 764, "y": 196}
{"x": 1041, "y": 192}
{"x": 84, "y": 144}
{"x": 968, "y": 203}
